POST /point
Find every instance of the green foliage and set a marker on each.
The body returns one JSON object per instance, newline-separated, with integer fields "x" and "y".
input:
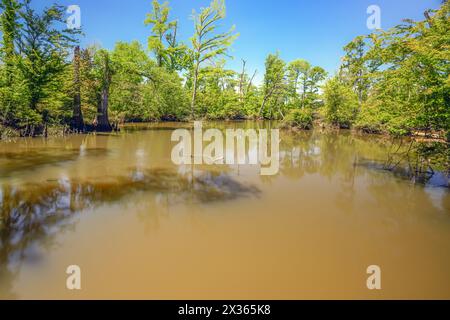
{"x": 354, "y": 70}
{"x": 274, "y": 87}
{"x": 165, "y": 97}
{"x": 163, "y": 40}
{"x": 9, "y": 27}
{"x": 291, "y": 87}
{"x": 207, "y": 42}
{"x": 34, "y": 88}
{"x": 340, "y": 103}
{"x": 131, "y": 65}
{"x": 304, "y": 81}
{"x": 142, "y": 91}
{"x": 409, "y": 80}
{"x": 216, "y": 96}
{"x": 300, "y": 119}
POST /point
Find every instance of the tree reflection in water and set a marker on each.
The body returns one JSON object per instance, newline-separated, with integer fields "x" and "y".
{"x": 36, "y": 213}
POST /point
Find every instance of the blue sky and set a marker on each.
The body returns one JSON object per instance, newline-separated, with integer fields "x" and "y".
{"x": 315, "y": 30}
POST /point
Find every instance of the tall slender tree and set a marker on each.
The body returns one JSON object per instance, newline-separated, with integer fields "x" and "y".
{"x": 44, "y": 46}
{"x": 163, "y": 41}
{"x": 77, "y": 118}
{"x": 207, "y": 42}
{"x": 274, "y": 82}
{"x": 354, "y": 69}
{"x": 298, "y": 72}
{"x": 9, "y": 27}
{"x": 105, "y": 73}
{"x": 159, "y": 20}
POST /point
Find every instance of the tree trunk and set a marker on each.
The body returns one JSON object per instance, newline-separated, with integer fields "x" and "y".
{"x": 428, "y": 17}
{"x": 173, "y": 45}
{"x": 262, "y": 106}
{"x": 266, "y": 97}
{"x": 194, "y": 91}
{"x": 241, "y": 81}
{"x": 77, "y": 119}
{"x": 102, "y": 122}
{"x": 296, "y": 86}
{"x": 250, "y": 82}
{"x": 304, "y": 92}
{"x": 159, "y": 53}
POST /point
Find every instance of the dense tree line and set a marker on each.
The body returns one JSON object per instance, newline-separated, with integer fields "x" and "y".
{"x": 396, "y": 81}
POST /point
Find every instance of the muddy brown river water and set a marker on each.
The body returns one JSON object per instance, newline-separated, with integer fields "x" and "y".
{"x": 140, "y": 227}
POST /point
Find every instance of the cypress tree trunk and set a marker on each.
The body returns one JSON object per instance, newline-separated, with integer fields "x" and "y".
{"x": 103, "y": 124}
{"x": 77, "y": 119}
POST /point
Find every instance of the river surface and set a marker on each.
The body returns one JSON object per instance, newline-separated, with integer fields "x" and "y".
{"x": 140, "y": 227}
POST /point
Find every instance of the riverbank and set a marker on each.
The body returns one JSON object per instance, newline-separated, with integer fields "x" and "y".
{"x": 58, "y": 131}
{"x": 49, "y": 132}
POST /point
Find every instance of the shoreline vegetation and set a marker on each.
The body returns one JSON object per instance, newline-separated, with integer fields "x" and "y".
{"x": 393, "y": 82}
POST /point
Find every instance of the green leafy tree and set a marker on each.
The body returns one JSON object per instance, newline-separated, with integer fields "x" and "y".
{"x": 299, "y": 119}
{"x": 165, "y": 98}
{"x": 304, "y": 81}
{"x": 207, "y": 42}
{"x": 354, "y": 69}
{"x": 142, "y": 91}
{"x": 340, "y": 103}
{"x": 410, "y": 88}
{"x": 159, "y": 19}
{"x": 132, "y": 67}
{"x": 298, "y": 75}
{"x": 89, "y": 84}
{"x": 274, "y": 88}
{"x": 77, "y": 122}
{"x": 9, "y": 27}
{"x": 217, "y": 95}
{"x": 104, "y": 70}
{"x": 316, "y": 76}
{"x": 44, "y": 45}
{"x": 163, "y": 41}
